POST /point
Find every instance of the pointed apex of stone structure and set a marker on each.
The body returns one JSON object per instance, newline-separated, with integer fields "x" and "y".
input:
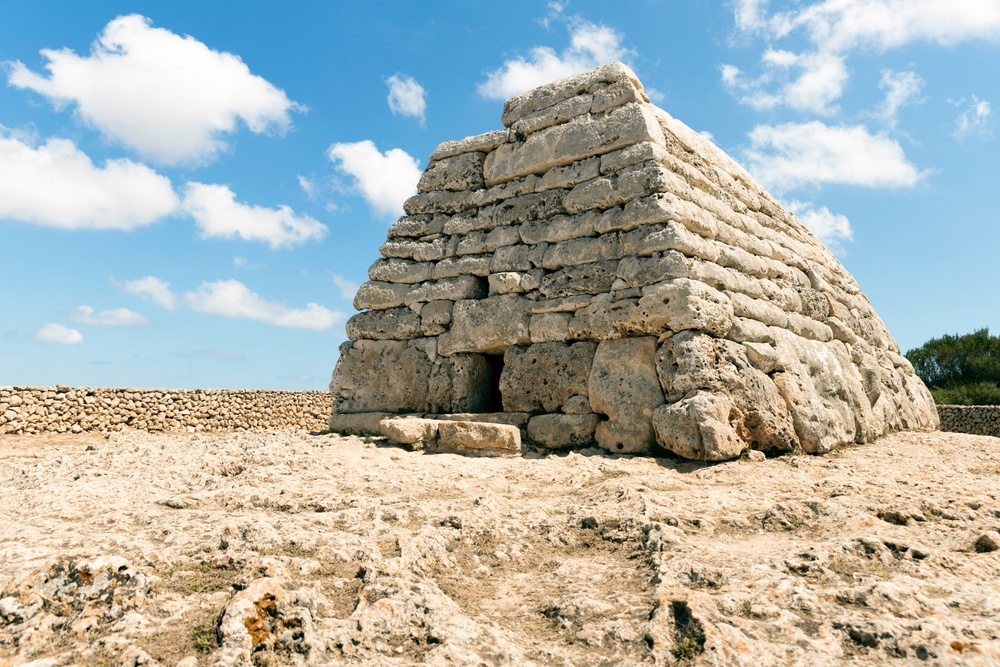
{"x": 599, "y": 272}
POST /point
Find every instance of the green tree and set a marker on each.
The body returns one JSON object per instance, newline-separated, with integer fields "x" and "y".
{"x": 963, "y": 370}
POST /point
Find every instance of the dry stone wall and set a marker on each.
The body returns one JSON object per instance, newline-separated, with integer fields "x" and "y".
{"x": 603, "y": 270}
{"x": 974, "y": 419}
{"x": 63, "y": 409}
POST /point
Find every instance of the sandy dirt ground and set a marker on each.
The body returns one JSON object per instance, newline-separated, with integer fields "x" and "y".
{"x": 286, "y": 548}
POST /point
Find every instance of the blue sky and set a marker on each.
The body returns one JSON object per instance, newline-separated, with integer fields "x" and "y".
{"x": 190, "y": 191}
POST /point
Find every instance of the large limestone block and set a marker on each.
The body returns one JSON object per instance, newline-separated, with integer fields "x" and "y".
{"x": 478, "y": 439}
{"x": 461, "y": 172}
{"x": 824, "y": 392}
{"x": 687, "y": 304}
{"x": 704, "y": 426}
{"x": 564, "y": 144}
{"x": 559, "y": 431}
{"x": 460, "y": 383}
{"x": 618, "y": 189}
{"x": 692, "y": 362}
{"x": 541, "y": 377}
{"x": 488, "y": 325}
{"x": 555, "y": 92}
{"x": 482, "y": 143}
{"x": 594, "y": 278}
{"x": 381, "y": 376}
{"x": 409, "y": 430}
{"x": 623, "y": 385}
{"x": 390, "y": 324}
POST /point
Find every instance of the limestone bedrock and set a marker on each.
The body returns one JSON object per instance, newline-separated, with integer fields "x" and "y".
{"x": 605, "y": 275}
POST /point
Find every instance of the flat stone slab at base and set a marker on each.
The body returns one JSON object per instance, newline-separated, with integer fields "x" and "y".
{"x": 489, "y": 434}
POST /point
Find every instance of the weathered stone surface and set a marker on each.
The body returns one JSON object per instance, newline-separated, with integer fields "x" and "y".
{"x": 548, "y": 327}
{"x": 409, "y": 430}
{"x": 699, "y": 427}
{"x": 563, "y": 144}
{"x": 371, "y": 374}
{"x": 687, "y": 304}
{"x": 581, "y": 251}
{"x": 542, "y": 376}
{"x": 390, "y": 324}
{"x": 358, "y": 423}
{"x": 757, "y": 415}
{"x": 460, "y": 383}
{"x": 559, "y": 431}
{"x": 461, "y": 172}
{"x": 599, "y": 220}
{"x": 478, "y": 439}
{"x": 618, "y": 189}
{"x": 553, "y": 93}
{"x": 480, "y": 143}
{"x": 489, "y": 325}
{"x": 623, "y": 385}
{"x": 583, "y": 279}
{"x": 397, "y": 270}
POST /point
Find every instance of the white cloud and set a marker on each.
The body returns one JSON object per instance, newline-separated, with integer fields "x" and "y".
{"x": 830, "y": 228}
{"x": 118, "y": 317}
{"x": 842, "y": 25}
{"x": 348, "y": 288}
{"x": 406, "y": 96}
{"x": 244, "y": 263}
{"x": 218, "y": 215}
{"x": 819, "y": 82}
{"x": 901, "y": 88}
{"x": 787, "y": 156}
{"x": 231, "y": 298}
{"x": 57, "y": 333}
{"x": 308, "y": 186}
{"x": 152, "y": 289}
{"x": 171, "y": 98}
{"x": 385, "y": 180}
{"x": 57, "y": 185}
{"x": 974, "y": 119}
{"x": 591, "y": 45}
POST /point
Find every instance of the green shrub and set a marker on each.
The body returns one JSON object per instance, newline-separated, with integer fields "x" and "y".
{"x": 960, "y": 370}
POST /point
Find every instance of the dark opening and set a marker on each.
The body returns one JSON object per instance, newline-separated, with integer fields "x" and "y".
{"x": 494, "y": 401}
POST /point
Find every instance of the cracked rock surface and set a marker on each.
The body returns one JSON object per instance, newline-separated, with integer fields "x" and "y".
{"x": 285, "y": 548}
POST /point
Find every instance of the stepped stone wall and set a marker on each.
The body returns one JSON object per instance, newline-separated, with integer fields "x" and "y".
{"x": 974, "y": 419}
{"x": 609, "y": 275}
{"x": 63, "y": 409}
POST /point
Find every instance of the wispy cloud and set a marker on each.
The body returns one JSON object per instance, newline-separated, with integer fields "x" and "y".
{"x": 348, "y": 288}
{"x": 57, "y": 185}
{"x": 59, "y": 334}
{"x": 171, "y": 98}
{"x": 901, "y": 88}
{"x": 837, "y": 26}
{"x": 591, "y": 44}
{"x": 406, "y": 96}
{"x": 385, "y": 180}
{"x": 831, "y": 228}
{"x": 117, "y": 317}
{"x": 805, "y": 82}
{"x": 152, "y": 289}
{"x": 788, "y": 156}
{"x": 974, "y": 120}
{"x": 231, "y": 298}
{"x": 218, "y": 215}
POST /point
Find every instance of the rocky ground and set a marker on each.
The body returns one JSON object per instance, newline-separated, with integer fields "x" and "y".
{"x": 285, "y": 547}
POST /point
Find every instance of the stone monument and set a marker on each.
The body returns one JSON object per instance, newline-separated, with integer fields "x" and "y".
{"x": 598, "y": 272}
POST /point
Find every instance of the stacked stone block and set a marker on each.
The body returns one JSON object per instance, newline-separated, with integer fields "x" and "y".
{"x": 974, "y": 419}
{"x": 609, "y": 275}
{"x": 64, "y": 409}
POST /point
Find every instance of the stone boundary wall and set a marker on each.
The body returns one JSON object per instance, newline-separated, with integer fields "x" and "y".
{"x": 63, "y": 409}
{"x": 974, "y": 419}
